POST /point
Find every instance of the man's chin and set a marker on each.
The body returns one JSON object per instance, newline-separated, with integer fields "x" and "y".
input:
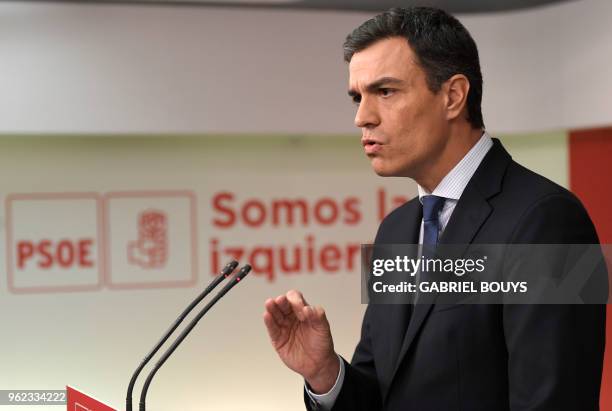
{"x": 384, "y": 171}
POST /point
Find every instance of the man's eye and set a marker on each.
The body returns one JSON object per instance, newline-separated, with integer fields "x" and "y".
{"x": 385, "y": 92}
{"x": 356, "y": 99}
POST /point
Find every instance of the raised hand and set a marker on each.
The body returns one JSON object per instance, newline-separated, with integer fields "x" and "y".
{"x": 301, "y": 336}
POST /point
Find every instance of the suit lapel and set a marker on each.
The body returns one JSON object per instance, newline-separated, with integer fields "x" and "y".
{"x": 400, "y": 314}
{"x": 470, "y": 213}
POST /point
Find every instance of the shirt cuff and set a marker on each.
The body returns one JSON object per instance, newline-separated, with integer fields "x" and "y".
{"x": 326, "y": 401}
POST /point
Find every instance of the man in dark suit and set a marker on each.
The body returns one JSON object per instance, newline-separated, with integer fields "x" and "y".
{"x": 415, "y": 76}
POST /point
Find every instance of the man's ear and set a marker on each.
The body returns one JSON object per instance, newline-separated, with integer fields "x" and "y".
{"x": 456, "y": 89}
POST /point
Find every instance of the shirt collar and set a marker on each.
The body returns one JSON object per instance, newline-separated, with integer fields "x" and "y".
{"x": 453, "y": 184}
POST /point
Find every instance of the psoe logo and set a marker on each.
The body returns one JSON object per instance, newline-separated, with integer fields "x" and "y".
{"x": 150, "y": 249}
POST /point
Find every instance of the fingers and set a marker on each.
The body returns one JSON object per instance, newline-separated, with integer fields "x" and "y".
{"x": 274, "y": 310}
{"x": 274, "y": 319}
{"x": 274, "y": 330}
{"x": 283, "y": 304}
{"x": 289, "y": 306}
{"x": 297, "y": 303}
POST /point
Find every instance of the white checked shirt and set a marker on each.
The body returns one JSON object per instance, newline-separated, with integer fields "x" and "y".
{"x": 451, "y": 187}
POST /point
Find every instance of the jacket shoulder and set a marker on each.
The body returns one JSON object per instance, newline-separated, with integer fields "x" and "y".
{"x": 529, "y": 188}
{"x": 541, "y": 204}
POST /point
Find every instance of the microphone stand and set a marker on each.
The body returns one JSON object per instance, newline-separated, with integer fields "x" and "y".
{"x": 225, "y": 272}
{"x": 235, "y": 280}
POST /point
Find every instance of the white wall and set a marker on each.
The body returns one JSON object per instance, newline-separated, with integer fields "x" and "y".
{"x": 83, "y": 68}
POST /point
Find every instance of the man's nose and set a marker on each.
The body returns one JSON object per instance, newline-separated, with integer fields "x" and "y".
{"x": 367, "y": 114}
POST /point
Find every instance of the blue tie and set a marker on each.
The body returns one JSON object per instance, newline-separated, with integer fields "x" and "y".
{"x": 431, "y": 225}
{"x": 432, "y": 205}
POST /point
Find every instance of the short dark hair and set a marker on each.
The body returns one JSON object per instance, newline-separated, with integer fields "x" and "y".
{"x": 442, "y": 45}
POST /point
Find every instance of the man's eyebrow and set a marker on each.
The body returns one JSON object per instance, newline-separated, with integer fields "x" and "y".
{"x": 375, "y": 85}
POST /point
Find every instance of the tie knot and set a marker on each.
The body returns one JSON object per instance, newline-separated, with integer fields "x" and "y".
{"x": 431, "y": 207}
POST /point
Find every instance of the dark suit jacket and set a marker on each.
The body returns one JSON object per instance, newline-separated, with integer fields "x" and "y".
{"x": 483, "y": 357}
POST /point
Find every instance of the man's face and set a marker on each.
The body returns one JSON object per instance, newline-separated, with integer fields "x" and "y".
{"x": 404, "y": 125}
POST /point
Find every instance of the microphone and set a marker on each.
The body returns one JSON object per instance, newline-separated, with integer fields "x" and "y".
{"x": 235, "y": 280}
{"x": 225, "y": 272}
